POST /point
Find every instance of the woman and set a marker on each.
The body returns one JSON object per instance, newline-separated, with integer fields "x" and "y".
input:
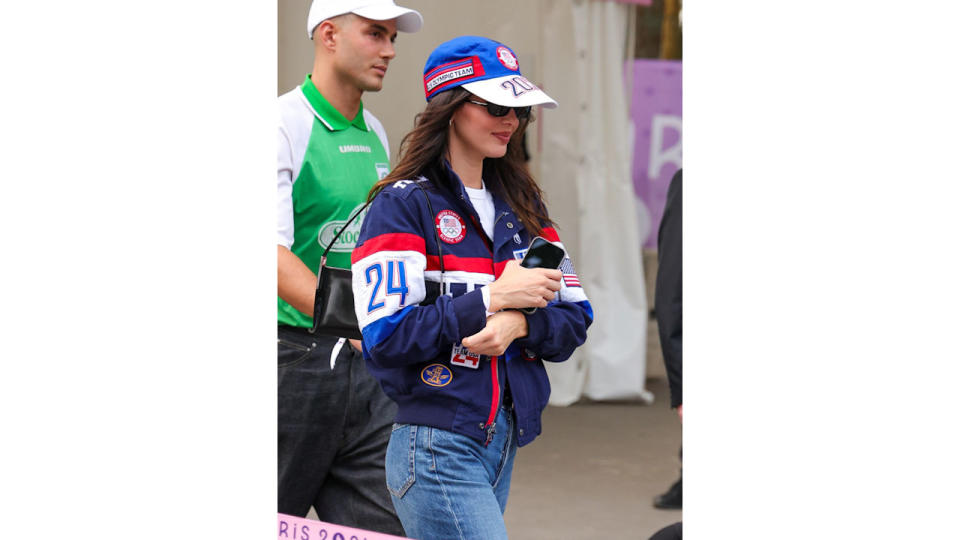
{"x": 465, "y": 367}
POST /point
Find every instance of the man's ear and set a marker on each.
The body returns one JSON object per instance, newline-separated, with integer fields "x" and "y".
{"x": 326, "y": 34}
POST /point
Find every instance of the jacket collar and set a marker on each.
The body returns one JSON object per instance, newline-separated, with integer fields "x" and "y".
{"x": 502, "y": 212}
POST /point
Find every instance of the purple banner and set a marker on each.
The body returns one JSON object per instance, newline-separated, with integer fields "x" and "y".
{"x": 656, "y": 111}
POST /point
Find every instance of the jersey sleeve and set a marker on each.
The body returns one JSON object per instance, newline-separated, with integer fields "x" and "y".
{"x": 389, "y": 262}
{"x": 554, "y": 332}
{"x": 284, "y": 189}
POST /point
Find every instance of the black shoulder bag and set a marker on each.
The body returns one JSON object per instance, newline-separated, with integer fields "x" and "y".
{"x": 333, "y": 311}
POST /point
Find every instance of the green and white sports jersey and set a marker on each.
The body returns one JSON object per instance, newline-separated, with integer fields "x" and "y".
{"x": 326, "y": 165}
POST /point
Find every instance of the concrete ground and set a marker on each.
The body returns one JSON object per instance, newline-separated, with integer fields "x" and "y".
{"x": 595, "y": 470}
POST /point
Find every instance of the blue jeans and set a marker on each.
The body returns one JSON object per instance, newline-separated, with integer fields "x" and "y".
{"x": 446, "y": 485}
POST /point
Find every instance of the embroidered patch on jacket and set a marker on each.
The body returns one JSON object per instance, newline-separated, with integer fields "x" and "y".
{"x": 436, "y": 375}
{"x": 452, "y": 228}
{"x": 461, "y": 356}
{"x": 569, "y": 274}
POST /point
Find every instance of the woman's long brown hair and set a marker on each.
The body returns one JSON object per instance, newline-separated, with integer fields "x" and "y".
{"x": 423, "y": 150}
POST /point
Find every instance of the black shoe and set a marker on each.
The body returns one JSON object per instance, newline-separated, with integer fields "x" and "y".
{"x": 672, "y": 499}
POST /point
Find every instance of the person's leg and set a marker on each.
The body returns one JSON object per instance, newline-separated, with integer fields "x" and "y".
{"x": 310, "y": 409}
{"x": 355, "y": 493}
{"x": 442, "y": 484}
{"x": 673, "y": 498}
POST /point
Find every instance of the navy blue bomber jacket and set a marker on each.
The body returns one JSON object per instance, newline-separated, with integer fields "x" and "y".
{"x": 412, "y": 334}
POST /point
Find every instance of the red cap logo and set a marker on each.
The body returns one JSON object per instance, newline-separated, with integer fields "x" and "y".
{"x": 507, "y": 58}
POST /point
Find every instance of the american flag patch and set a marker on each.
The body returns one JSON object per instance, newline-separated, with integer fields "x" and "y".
{"x": 569, "y": 274}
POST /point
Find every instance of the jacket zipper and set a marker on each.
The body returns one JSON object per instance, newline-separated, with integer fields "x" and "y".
{"x": 491, "y": 425}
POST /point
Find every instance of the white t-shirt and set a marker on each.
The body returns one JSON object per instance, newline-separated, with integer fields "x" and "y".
{"x": 483, "y": 203}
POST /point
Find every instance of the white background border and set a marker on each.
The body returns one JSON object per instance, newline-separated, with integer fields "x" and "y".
{"x": 138, "y": 392}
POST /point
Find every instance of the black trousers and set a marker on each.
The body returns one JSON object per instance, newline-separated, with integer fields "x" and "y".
{"x": 333, "y": 427}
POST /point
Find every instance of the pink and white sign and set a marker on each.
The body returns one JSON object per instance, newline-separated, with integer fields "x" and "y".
{"x": 298, "y": 528}
{"x": 657, "y": 113}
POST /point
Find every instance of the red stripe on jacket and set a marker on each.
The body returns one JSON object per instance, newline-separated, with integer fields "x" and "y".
{"x": 479, "y": 265}
{"x": 549, "y": 233}
{"x": 389, "y": 242}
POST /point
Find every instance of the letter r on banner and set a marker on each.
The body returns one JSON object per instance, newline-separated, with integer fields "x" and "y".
{"x": 660, "y": 156}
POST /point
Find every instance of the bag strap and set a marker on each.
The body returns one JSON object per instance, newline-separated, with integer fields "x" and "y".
{"x": 323, "y": 258}
{"x": 435, "y": 233}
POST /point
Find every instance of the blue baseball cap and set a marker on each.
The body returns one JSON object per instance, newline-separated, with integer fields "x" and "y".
{"x": 485, "y": 68}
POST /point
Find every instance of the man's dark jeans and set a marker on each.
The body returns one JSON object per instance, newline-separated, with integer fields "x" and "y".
{"x": 333, "y": 427}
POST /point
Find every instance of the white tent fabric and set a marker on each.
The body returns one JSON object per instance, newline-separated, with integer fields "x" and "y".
{"x": 586, "y": 161}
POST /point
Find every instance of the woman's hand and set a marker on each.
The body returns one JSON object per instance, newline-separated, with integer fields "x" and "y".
{"x": 519, "y": 287}
{"x": 502, "y": 328}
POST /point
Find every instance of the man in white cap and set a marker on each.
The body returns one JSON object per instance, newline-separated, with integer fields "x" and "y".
{"x": 333, "y": 419}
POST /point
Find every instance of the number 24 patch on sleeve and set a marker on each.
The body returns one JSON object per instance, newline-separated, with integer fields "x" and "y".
{"x": 461, "y": 356}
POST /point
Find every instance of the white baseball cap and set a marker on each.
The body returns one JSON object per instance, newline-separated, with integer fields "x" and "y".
{"x": 408, "y": 20}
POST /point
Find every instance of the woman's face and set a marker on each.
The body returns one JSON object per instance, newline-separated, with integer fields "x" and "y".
{"x": 480, "y": 134}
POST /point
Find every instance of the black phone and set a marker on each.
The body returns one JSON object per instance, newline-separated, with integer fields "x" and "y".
{"x": 543, "y": 254}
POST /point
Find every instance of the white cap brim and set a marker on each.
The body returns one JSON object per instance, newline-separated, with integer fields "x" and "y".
{"x": 408, "y": 20}
{"x": 510, "y": 91}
